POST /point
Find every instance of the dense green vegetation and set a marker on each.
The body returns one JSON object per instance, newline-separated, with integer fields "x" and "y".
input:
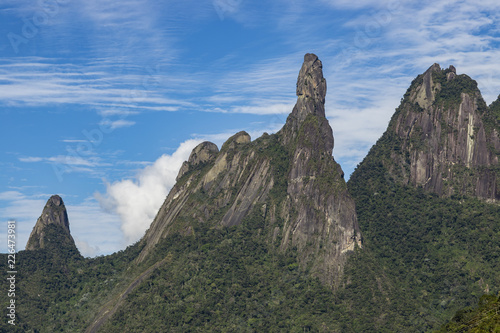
{"x": 217, "y": 279}
{"x": 57, "y": 290}
{"x": 415, "y": 271}
{"x": 226, "y": 279}
{"x": 492, "y": 118}
{"x": 495, "y": 109}
{"x": 483, "y": 318}
{"x": 450, "y": 93}
{"x": 435, "y": 255}
{"x": 423, "y": 258}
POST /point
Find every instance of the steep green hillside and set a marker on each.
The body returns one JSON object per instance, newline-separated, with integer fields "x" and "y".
{"x": 427, "y": 203}
{"x": 483, "y": 318}
{"x": 218, "y": 279}
{"x": 59, "y": 291}
{"x": 437, "y": 254}
{"x": 226, "y": 279}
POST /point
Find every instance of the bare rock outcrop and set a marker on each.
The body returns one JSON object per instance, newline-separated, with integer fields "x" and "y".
{"x": 203, "y": 153}
{"x": 323, "y": 218}
{"x": 448, "y": 139}
{"x": 52, "y": 227}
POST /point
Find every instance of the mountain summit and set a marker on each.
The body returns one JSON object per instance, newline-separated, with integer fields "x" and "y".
{"x": 444, "y": 138}
{"x": 416, "y": 196}
{"x": 52, "y": 227}
{"x": 288, "y": 184}
{"x": 311, "y": 92}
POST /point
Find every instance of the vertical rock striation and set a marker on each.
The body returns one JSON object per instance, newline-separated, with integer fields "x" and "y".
{"x": 447, "y": 138}
{"x": 322, "y": 223}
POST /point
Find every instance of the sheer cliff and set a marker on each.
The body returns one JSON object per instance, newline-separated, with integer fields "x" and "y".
{"x": 289, "y": 182}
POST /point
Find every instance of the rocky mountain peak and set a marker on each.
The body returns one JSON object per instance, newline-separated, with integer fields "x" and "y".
{"x": 287, "y": 183}
{"x": 311, "y": 85}
{"x": 308, "y": 113}
{"x": 239, "y": 138}
{"x": 54, "y": 218}
{"x": 425, "y": 93}
{"x": 202, "y": 153}
{"x": 447, "y": 136}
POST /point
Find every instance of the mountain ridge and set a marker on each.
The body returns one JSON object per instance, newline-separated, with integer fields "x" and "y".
{"x": 266, "y": 235}
{"x": 426, "y": 204}
{"x": 286, "y": 179}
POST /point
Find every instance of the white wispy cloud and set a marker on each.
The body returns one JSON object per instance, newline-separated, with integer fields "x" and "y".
{"x": 40, "y": 81}
{"x": 263, "y": 88}
{"x": 114, "y": 124}
{"x": 263, "y": 109}
{"x": 73, "y": 141}
{"x": 346, "y": 4}
{"x": 70, "y": 160}
{"x": 72, "y": 163}
{"x": 270, "y": 78}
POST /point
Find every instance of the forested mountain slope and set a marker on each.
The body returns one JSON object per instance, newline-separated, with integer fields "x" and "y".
{"x": 427, "y": 203}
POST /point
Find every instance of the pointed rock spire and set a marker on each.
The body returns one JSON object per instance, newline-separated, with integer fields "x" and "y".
{"x": 311, "y": 88}
{"x": 54, "y": 217}
{"x": 311, "y": 92}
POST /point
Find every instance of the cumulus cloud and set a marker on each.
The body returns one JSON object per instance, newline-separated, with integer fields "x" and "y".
{"x": 138, "y": 200}
{"x": 95, "y": 231}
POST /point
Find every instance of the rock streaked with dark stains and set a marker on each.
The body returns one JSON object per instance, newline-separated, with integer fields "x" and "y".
{"x": 449, "y": 140}
{"x": 289, "y": 180}
{"x": 324, "y": 216}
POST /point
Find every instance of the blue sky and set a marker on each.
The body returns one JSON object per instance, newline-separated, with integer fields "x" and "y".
{"x": 101, "y": 101}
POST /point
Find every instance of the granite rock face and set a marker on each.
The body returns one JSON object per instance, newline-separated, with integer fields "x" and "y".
{"x": 202, "y": 153}
{"x": 54, "y": 218}
{"x": 289, "y": 181}
{"x": 448, "y": 138}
